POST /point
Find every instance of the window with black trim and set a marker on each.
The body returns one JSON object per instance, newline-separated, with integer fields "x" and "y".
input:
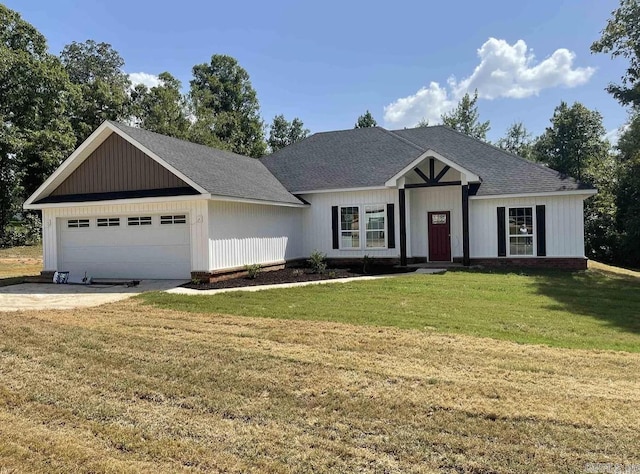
{"x": 521, "y": 231}
{"x": 144, "y": 220}
{"x": 108, "y": 222}
{"x": 374, "y": 220}
{"x": 177, "y": 219}
{"x": 77, "y": 223}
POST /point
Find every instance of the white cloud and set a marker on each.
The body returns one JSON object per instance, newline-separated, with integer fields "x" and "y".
{"x": 149, "y": 80}
{"x": 428, "y": 103}
{"x": 614, "y": 135}
{"x": 504, "y": 71}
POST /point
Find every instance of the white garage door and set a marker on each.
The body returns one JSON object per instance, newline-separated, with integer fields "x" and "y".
{"x": 129, "y": 246}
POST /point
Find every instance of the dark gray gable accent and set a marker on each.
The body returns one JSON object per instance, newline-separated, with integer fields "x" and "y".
{"x": 335, "y": 227}
{"x": 541, "y": 233}
{"x": 391, "y": 226}
{"x": 502, "y": 233}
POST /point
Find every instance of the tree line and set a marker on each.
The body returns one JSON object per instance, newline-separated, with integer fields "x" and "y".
{"x": 50, "y": 103}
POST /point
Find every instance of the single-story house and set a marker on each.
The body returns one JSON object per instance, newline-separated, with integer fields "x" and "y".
{"x": 130, "y": 203}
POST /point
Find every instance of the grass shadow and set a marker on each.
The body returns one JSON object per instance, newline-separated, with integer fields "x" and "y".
{"x": 609, "y": 297}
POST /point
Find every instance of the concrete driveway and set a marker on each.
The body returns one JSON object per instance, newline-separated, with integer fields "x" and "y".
{"x": 28, "y": 296}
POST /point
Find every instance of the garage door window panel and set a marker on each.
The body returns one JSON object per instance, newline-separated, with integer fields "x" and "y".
{"x": 139, "y": 221}
{"x": 175, "y": 219}
{"x": 108, "y": 222}
{"x": 77, "y": 223}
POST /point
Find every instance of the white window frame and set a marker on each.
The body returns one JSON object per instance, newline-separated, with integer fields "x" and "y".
{"x": 173, "y": 219}
{"x": 78, "y": 223}
{"x": 534, "y": 243}
{"x": 148, "y": 221}
{"x": 107, "y": 222}
{"x": 384, "y": 227}
{"x": 362, "y": 228}
{"x": 340, "y": 231}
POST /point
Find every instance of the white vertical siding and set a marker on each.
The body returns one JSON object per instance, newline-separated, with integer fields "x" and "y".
{"x": 564, "y": 224}
{"x": 49, "y": 240}
{"x": 424, "y": 200}
{"x": 195, "y": 210}
{"x": 317, "y": 221}
{"x": 243, "y": 234}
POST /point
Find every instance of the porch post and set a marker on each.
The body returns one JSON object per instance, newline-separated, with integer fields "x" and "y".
{"x": 403, "y": 227}
{"x": 465, "y": 225}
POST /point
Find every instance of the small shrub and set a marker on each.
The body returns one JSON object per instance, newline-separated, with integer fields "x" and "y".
{"x": 332, "y": 274}
{"x": 196, "y": 281}
{"x": 367, "y": 264}
{"x": 317, "y": 262}
{"x": 253, "y": 270}
{"x": 14, "y": 237}
{"x": 297, "y": 272}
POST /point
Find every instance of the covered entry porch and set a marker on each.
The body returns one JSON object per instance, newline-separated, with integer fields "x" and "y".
{"x": 433, "y": 210}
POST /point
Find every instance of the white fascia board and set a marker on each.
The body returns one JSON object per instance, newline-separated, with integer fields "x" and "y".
{"x": 159, "y": 160}
{"x": 470, "y": 177}
{"x": 577, "y": 192}
{"x": 340, "y": 190}
{"x": 72, "y": 163}
{"x": 215, "y": 197}
{"x": 116, "y": 202}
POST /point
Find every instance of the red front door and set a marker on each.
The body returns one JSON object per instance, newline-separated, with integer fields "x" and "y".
{"x": 439, "y": 236}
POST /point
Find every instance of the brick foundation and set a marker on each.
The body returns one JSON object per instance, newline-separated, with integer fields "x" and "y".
{"x": 230, "y": 273}
{"x": 538, "y": 262}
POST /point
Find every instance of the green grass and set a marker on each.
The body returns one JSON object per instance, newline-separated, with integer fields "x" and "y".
{"x": 586, "y": 310}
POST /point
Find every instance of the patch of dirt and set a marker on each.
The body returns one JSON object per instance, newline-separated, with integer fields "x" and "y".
{"x": 20, "y": 261}
{"x": 293, "y": 275}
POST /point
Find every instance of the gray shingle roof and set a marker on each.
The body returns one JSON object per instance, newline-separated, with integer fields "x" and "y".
{"x": 501, "y": 172}
{"x": 219, "y": 172}
{"x": 370, "y": 156}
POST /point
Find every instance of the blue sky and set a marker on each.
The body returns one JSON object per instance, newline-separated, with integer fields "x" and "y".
{"x": 327, "y": 62}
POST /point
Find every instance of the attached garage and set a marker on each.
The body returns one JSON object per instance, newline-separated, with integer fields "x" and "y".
{"x": 126, "y": 246}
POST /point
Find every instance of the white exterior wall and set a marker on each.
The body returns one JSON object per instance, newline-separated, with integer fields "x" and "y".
{"x": 244, "y": 234}
{"x": 316, "y": 222}
{"x": 195, "y": 209}
{"x": 564, "y": 224}
{"x": 424, "y": 200}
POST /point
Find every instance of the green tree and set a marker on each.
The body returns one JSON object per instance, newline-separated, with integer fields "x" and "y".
{"x": 96, "y": 68}
{"x": 517, "y": 140}
{"x": 283, "y": 133}
{"x": 621, "y": 38}
{"x": 628, "y": 195}
{"x": 226, "y": 107}
{"x": 465, "y": 118}
{"x": 574, "y": 145}
{"x": 366, "y": 120}
{"x": 162, "y": 108}
{"x": 35, "y": 133}
{"x": 422, "y": 123}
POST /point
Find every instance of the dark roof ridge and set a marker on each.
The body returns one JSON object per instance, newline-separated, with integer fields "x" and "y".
{"x": 405, "y": 140}
{"x": 513, "y": 155}
{"x": 120, "y": 124}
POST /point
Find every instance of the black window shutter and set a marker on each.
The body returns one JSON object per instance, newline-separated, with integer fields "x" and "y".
{"x": 502, "y": 233}
{"x": 391, "y": 227}
{"x": 541, "y": 234}
{"x": 334, "y": 226}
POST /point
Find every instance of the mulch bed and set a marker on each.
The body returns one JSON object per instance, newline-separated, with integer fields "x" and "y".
{"x": 293, "y": 275}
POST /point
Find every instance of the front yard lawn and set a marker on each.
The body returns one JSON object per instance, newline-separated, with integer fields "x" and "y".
{"x": 589, "y": 310}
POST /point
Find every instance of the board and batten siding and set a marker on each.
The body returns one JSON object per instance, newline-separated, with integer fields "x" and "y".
{"x": 117, "y": 165}
{"x": 245, "y": 234}
{"x": 425, "y": 200}
{"x": 564, "y": 224}
{"x": 196, "y": 211}
{"x": 316, "y": 222}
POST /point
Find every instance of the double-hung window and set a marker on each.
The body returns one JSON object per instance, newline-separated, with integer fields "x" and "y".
{"x": 521, "y": 232}
{"x": 350, "y": 227}
{"x": 371, "y": 236}
{"x": 374, "y": 219}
